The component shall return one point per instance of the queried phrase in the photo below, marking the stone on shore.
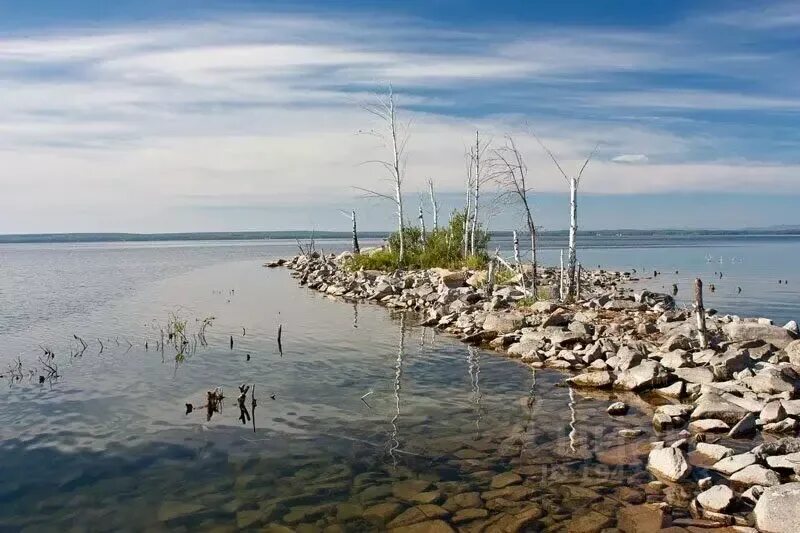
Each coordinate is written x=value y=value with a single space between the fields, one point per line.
x=669 y=464
x=592 y=379
x=502 y=323
x=745 y=331
x=716 y=452
x=714 y=406
x=646 y=375
x=756 y=475
x=734 y=463
x=778 y=509
x=717 y=498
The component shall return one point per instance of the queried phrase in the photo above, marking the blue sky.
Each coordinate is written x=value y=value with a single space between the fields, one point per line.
x=180 y=116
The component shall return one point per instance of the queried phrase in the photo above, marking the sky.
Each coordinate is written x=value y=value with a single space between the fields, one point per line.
x=167 y=115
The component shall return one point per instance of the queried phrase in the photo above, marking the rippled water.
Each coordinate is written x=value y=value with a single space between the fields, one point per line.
x=108 y=445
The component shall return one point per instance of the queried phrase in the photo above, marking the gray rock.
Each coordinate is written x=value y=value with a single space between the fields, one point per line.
x=617 y=408
x=778 y=509
x=770 y=381
x=646 y=375
x=716 y=452
x=792 y=407
x=725 y=365
x=628 y=358
x=502 y=323
x=676 y=390
x=787 y=426
x=743 y=331
x=783 y=446
x=675 y=359
x=734 y=463
x=785 y=462
x=793 y=352
x=592 y=379
x=792 y=326
x=675 y=410
x=695 y=375
x=756 y=475
x=717 y=498
x=753 y=494
x=714 y=406
x=772 y=412
x=745 y=426
x=669 y=464
x=709 y=425
x=624 y=305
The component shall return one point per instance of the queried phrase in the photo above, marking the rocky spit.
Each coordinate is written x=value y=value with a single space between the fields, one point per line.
x=732 y=408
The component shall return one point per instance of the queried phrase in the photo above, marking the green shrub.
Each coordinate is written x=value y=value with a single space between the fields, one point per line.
x=442 y=248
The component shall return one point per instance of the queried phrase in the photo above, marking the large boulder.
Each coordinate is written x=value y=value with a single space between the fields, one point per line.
x=714 y=406
x=778 y=509
x=592 y=379
x=793 y=351
x=502 y=323
x=756 y=475
x=771 y=381
x=745 y=331
x=452 y=279
x=716 y=499
x=668 y=463
x=646 y=375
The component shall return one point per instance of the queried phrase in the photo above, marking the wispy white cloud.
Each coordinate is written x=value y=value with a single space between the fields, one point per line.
x=266 y=108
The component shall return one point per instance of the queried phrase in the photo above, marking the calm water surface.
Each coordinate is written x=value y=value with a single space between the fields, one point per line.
x=108 y=445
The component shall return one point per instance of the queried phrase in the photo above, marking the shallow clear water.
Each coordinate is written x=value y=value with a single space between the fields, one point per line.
x=109 y=446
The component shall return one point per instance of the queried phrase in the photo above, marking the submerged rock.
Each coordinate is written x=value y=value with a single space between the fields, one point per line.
x=669 y=464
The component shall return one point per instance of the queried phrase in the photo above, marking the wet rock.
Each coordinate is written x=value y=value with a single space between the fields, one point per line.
x=469 y=514
x=463 y=501
x=714 y=406
x=772 y=412
x=382 y=512
x=407 y=489
x=419 y=513
x=591 y=522
x=745 y=426
x=171 y=510
x=347 y=511
x=756 y=475
x=717 y=498
x=617 y=408
x=645 y=518
x=631 y=495
x=430 y=526
x=715 y=452
x=502 y=323
x=505 y=479
x=646 y=375
x=743 y=331
x=512 y=523
x=669 y=464
x=778 y=509
x=599 y=379
x=700 y=375
x=709 y=425
x=789 y=462
x=734 y=463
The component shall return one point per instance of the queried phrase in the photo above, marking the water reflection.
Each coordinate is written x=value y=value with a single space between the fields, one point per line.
x=394 y=443
x=474 y=370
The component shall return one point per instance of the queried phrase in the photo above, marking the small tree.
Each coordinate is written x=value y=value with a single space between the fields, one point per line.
x=511 y=174
x=394 y=137
x=574 y=182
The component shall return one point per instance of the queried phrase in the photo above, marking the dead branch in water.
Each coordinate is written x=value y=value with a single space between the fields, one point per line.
x=101 y=346
x=83 y=344
x=280 y=344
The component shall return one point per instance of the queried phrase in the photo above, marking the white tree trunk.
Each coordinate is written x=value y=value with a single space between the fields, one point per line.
x=573 y=234
x=356 y=247
x=434 y=206
x=398 y=177
x=561 y=278
x=467 y=215
x=477 y=191
x=422 y=226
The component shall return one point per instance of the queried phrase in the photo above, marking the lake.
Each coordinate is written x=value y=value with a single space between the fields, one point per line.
x=359 y=415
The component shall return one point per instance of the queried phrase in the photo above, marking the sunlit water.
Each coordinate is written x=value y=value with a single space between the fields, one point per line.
x=362 y=397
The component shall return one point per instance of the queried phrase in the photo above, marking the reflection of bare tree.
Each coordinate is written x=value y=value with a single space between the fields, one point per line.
x=355 y=314
x=394 y=443
x=573 y=431
x=474 y=369
x=531 y=411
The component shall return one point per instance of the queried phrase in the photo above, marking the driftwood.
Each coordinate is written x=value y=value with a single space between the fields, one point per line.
x=700 y=312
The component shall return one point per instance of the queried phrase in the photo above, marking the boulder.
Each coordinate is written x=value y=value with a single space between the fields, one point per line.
x=453 y=279
x=789 y=462
x=717 y=498
x=745 y=426
x=714 y=406
x=592 y=379
x=675 y=359
x=744 y=331
x=646 y=375
x=734 y=463
x=628 y=358
x=793 y=351
x=700 y=375
x=502 y=323
x=669 y=464
x=778 y=509
x=716 y=452
x=617 y=408
x=756 y=475
x=770 y=381
x=772 y=412
x=724 y=365
x=624 y=305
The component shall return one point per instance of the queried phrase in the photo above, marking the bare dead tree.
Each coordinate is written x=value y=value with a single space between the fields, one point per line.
x=480 y=175
x=510 y=172
x=352 y=217
x=394 y=138
x=423 y=235
x=434 y=205
x=468 y=207
x=574 y=182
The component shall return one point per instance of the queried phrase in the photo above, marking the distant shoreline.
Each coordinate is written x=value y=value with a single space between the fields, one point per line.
x=306 y=235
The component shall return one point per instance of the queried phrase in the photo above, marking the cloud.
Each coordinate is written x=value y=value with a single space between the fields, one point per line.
x=630 y=158
x=264 y=111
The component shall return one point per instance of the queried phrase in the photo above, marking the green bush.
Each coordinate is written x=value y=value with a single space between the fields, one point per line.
x=442 y=248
